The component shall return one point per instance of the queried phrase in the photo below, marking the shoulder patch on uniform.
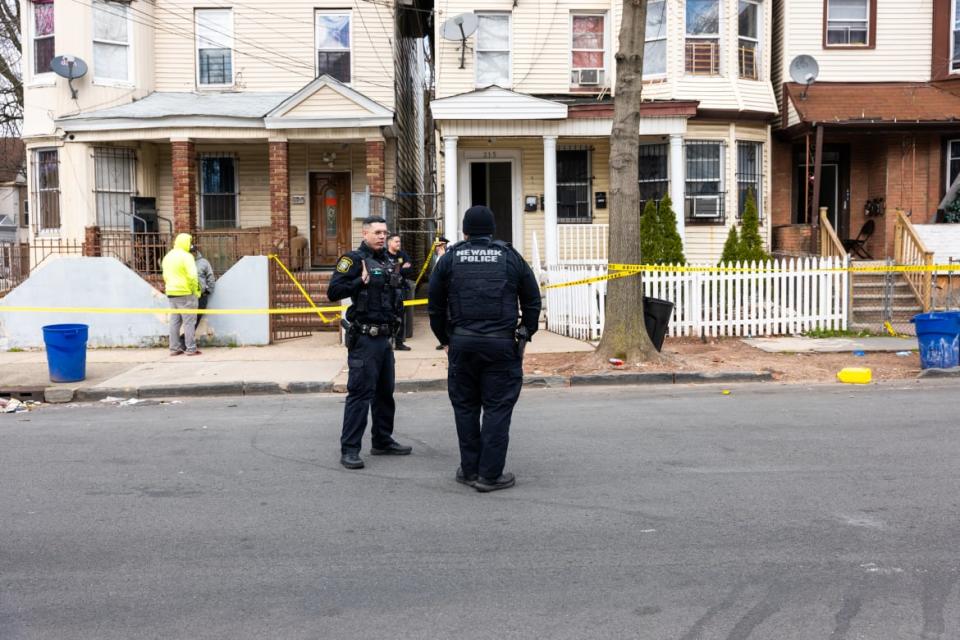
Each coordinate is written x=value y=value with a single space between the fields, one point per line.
x=344 y=265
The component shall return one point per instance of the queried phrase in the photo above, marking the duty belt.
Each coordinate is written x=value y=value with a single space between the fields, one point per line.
x=374 y=330
x=506 y=333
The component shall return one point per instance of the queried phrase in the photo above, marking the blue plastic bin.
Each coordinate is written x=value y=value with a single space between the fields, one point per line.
x=938 y=335
x=66 y=351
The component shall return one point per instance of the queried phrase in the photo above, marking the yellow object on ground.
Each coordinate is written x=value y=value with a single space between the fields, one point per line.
x=855 y=375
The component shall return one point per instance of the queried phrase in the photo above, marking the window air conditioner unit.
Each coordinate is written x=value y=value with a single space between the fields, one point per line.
x=706 y=207
x=590 y=77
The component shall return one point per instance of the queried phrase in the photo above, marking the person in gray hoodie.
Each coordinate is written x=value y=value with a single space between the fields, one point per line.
x=207 y=282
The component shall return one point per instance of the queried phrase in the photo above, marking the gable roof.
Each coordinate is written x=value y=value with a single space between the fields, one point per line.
x=496 y=103
x=327 y=102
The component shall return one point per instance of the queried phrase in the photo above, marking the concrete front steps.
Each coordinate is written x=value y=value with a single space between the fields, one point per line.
x=286 y=294
x=870 y=300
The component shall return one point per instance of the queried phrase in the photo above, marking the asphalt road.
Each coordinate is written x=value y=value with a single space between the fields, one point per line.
x=662 y=513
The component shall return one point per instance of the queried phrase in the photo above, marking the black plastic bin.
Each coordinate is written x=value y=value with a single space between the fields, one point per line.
x=656 y=317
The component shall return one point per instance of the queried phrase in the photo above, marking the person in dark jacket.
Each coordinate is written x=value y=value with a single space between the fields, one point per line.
x=484 y=305
x=365 y=276
x=403 y=265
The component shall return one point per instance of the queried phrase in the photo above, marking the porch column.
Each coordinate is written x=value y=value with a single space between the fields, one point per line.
x=677 y=181
x=450 y=216
x=280 y=197
x=375 y=167
x=551 y=249
x=184 y=160
x=91 y=241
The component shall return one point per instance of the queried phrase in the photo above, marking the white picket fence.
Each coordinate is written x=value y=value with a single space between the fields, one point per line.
x=582 y=243
x=783 y=297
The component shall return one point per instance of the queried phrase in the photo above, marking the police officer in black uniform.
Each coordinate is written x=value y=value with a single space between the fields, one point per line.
x=484 y=306
x=366 y=278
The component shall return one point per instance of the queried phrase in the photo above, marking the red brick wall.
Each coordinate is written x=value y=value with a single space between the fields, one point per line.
x=184 y=160
x=782 y=184
x=375 y=166
x=794 y=239
x=91 y=241
x=280 y=198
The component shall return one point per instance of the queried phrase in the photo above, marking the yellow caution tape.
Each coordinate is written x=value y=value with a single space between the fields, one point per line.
x=896 y=268
x=299 y=286
x=426 y=262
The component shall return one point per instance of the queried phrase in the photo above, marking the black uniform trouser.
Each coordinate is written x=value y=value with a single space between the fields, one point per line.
x=369 y=390
x=483 y=374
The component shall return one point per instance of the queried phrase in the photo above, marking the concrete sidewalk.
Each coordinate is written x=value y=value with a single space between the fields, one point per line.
x=802 y=344
x=317 y=361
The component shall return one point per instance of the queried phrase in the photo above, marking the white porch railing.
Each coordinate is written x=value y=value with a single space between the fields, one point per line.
x=781 y=298
x=582 y=243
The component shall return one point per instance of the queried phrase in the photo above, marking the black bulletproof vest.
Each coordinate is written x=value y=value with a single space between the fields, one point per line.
x=482 y=296
x=376 y=303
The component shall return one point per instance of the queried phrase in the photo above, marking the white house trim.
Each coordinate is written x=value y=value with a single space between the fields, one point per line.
x=465 y=158
x=370 y=113
x=496 y=103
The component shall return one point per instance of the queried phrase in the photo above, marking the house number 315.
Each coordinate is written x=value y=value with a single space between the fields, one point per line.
x=489 y=154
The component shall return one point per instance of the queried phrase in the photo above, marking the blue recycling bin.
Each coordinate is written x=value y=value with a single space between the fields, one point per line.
x=938 y=335
x=66 y=351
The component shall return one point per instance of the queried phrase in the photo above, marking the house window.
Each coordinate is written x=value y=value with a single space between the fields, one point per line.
x=703 y=37
x=654 y=179
x=218 y=191
x=214 y=47
x=749 y=176
x=749 y=43
x=44 y=45
x=655 y=39
x=953 y=161
x=333 y=45
x=573 y=185
x=115 y=178
x=46 y=187
x=848 y=22
x=588 y=50
x=111 y=41
x=955 y=38
x=493 y=49
x=704 y=181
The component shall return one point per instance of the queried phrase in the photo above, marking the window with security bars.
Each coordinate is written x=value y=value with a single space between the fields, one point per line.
x=115 y=182
x=44 y=41
x=46 y=187
x=218 y=191
x=953 y=161
x=704 y=181
x=703 y=37
x=333 y=44
x=654 y=180
x=749 y=176
x=573 y=185
x=848 y=22
x=214 y=28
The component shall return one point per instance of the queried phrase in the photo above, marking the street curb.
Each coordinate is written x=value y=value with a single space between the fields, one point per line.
x=952 y=372
x=93 y=394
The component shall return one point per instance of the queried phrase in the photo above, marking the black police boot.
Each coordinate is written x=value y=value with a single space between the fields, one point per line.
x=392 y=449
x=505 y=481
x=401 y=347
x=351 y=461
x=468 y=480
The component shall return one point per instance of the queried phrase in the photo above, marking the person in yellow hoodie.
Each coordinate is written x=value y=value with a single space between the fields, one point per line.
x=183 y=290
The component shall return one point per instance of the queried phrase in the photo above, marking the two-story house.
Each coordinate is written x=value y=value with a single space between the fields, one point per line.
x=525 y=120
x=222 y=116
x=884 y=107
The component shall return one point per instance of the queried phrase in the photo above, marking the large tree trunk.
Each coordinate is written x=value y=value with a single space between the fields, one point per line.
x=624 y=333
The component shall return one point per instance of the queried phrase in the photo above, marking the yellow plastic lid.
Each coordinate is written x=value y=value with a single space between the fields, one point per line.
x=855 y=375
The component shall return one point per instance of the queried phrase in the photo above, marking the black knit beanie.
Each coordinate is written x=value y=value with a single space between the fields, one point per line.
x=478 y=221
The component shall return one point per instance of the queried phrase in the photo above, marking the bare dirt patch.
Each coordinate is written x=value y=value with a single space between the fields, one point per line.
x=730 y=354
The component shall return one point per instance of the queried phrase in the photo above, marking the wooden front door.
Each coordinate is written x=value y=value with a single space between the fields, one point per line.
x=329 y=216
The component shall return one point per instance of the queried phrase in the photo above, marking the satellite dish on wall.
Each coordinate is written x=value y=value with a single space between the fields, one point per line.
x=69 y=67
x=804 y=70
x=460 y=28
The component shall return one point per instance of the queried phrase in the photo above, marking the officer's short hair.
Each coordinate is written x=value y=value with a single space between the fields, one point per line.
x=369 y=220
x=391 y=236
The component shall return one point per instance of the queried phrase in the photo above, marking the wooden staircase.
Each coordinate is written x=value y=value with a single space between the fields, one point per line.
x=871 y=298
x=286 y=294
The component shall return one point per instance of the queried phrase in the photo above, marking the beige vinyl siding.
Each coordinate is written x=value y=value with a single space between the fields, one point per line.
x=903 y=50
x=540 y=54
x=274 y=46
x=327 y=102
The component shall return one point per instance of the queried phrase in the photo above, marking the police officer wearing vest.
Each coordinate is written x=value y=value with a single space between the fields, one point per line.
x=484 y=306
x=366 y=278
